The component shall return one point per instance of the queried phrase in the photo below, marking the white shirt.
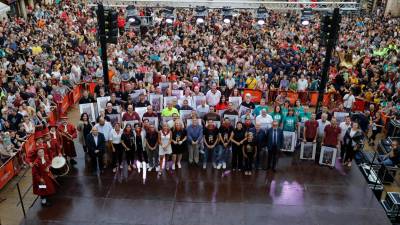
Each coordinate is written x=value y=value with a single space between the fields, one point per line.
x=302 y=84
x=96 y=138
x=105 y=129
x=343 y=128
x=321 y=127
x=213 y=98
x=115 y=137
x=348 y=101
x=265 y=121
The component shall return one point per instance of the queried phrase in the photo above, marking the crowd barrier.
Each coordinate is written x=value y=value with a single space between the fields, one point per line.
x=12 y=166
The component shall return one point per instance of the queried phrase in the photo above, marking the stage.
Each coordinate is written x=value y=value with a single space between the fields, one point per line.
x=300 y=192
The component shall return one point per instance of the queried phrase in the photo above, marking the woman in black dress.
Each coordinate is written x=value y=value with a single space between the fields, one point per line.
x=249 y=153
x=353 y=139
x=129 y=145
x=238 y=137
x=84 y=127
x=178 y=143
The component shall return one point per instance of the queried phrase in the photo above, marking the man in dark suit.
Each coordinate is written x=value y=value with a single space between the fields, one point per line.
x=274 y=144
x=96 y=144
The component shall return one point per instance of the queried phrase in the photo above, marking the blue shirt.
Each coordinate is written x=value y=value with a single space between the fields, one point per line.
x=194 y=133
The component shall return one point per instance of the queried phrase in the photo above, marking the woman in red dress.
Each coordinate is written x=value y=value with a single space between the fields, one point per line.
x=43 y=181
x=55 y=142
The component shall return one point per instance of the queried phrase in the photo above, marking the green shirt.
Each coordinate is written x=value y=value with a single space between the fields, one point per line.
x=257 y=110
x=289 y=123
x=298 y=110
x=277 y=117
x=303 y=117
x=168 y=112
x=284 y=111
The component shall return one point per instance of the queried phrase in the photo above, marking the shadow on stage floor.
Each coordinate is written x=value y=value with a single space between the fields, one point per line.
x=300 y=192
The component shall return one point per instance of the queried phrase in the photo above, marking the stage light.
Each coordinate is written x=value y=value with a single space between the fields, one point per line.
x=132 y=16
x=306 y=16
x=201 y=13
x=227 y=14
x=262 y=15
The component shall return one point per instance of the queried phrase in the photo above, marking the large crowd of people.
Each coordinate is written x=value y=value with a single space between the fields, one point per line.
x=56 y=48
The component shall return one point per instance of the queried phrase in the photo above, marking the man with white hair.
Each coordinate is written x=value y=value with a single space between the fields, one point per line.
x=264 y=119
x=247 y=102
x=213 y=95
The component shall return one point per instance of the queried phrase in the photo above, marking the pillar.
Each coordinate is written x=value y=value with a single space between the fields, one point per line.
x=22 y=9
x=392 y=7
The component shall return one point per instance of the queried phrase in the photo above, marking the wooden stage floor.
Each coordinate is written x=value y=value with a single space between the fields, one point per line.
x=299 y=193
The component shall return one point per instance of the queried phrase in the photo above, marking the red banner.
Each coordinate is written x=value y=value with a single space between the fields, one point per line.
x=91 y=87
x=52 y=117
x=29 y=146
x=6 y=173
x=64 y=104
x=76 y=94
x=256 y=95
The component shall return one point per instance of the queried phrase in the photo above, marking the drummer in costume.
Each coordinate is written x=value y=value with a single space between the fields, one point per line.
x=68 y=133
x=55 y=142
x=39 y=144
x=43 y=181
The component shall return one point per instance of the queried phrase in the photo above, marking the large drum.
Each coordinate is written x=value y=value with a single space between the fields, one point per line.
x=59 y=166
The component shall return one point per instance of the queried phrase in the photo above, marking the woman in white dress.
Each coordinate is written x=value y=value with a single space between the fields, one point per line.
x=165 y=149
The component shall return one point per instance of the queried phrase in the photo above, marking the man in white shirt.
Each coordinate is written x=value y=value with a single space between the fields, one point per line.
x=321 y=125
x=302 y=84
x=264 y=119
x=105 y=128
x=213 y=96
x=344 y=126
x=348 y=101
x=202 y=109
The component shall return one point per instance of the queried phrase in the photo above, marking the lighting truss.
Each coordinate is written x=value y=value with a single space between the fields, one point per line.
x=235 y=4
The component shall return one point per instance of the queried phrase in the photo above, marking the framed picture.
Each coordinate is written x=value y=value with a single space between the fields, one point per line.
x=243 y=110
x=185 y=114
x=221 y=112
x=131 y=122
x=118 y=108
x=328 y=156
x=156 y=101
x=114 y=118
x=177 y=93
x=152 y=120
x=135 y=95
x=101 y=103
x=236 y=101
x=217 y=123
x=168 y=99
x=308 y=150
x=141 y=111
x=89 y=109
x=340 y=116
x=165 y=119
x=197 y=99
x=190 y=121
x=233 y=118
x=289 y=141
x=164 y=86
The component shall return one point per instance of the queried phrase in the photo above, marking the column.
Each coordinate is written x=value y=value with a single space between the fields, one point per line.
x=393 y=7
x=22 y=9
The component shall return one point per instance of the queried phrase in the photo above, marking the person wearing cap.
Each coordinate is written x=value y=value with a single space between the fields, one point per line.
x=43 y=183
x=68 y=133
x=55 y=142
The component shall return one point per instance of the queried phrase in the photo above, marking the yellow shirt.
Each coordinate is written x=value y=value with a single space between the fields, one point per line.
x=36 y=50
x=251 y=82
x=168 y=112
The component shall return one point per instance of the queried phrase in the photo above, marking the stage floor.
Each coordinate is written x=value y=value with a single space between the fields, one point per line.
x=299 y=193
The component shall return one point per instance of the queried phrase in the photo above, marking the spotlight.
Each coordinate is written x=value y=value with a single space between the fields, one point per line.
x=132 y=16
x=227 y=14
x=306 y=16
x=169 y=15
x=262 y=15
x=201 y=13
